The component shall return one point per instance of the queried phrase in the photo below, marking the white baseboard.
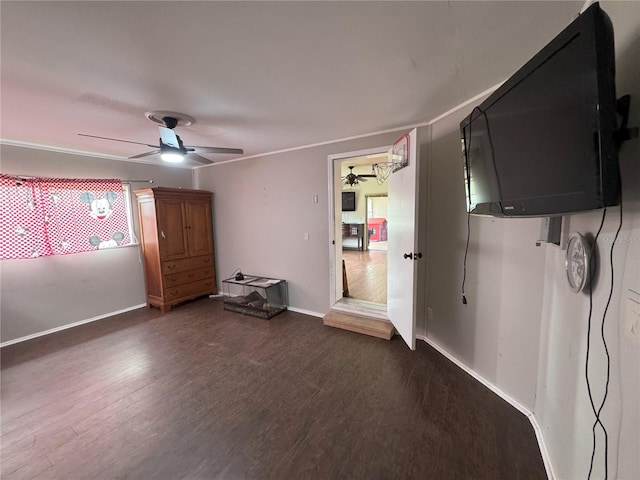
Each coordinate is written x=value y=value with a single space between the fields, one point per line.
x=506 y=397
x=306 y=312
x=70 y=325
x=293 y=309
x=100 y=317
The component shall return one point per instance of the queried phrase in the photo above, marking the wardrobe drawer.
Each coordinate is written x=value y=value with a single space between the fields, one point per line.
x=207 y=285
x=175 y=266
x=174 y=279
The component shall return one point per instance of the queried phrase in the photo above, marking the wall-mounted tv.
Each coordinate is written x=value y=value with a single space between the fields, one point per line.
x=348 y=201
x=543 y=143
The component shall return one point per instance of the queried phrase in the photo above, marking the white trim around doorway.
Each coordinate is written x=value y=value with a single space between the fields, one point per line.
x=334 y=242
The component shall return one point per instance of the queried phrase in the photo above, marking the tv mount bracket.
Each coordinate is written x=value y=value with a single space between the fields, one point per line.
x=624 y=133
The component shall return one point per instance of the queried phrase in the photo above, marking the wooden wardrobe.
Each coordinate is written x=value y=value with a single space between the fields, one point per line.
x=177 y=245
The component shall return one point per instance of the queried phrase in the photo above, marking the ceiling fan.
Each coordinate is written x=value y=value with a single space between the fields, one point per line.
x=352 y=179
x=171 y=148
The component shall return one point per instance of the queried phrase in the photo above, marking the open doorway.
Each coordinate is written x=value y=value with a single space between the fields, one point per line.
x=361 y=286
x=399 y=170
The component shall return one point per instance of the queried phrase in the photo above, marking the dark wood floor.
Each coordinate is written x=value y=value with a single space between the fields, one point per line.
x=203 y=393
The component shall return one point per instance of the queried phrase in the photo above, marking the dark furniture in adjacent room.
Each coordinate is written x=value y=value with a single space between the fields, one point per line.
x=353 y=230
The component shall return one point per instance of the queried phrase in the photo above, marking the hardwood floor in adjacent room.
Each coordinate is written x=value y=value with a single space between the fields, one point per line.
x=367 y=275
x=203 y=393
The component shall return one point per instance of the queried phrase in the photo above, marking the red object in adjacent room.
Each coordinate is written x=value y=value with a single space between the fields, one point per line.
x=378 y=229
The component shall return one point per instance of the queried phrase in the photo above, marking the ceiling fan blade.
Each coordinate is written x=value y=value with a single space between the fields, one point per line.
x=117 y=140
x=155 y=152
x=367 y=175
x=199 y=159
x=236 y=151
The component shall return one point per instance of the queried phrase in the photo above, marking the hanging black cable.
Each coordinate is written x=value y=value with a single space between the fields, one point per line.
x=606 y=349
x=598 y=412
x=586 y=368
x=466 y=252
x=467 y=149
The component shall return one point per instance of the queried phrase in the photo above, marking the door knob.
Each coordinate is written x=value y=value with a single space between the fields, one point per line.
x=408 y=255
x=417 y=255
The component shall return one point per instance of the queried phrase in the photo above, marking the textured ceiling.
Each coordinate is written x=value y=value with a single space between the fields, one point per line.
x=263 y=76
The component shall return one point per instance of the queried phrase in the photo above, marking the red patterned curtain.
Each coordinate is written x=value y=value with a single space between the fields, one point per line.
x=53 y=216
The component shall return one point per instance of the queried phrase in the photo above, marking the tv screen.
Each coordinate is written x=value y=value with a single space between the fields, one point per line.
x=348 y=201
x=543 y=143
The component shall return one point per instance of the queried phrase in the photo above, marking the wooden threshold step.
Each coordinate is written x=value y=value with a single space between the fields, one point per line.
x=359 y=324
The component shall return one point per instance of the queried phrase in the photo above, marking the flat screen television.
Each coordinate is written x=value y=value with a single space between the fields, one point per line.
x=543 y=143
x=348 y=201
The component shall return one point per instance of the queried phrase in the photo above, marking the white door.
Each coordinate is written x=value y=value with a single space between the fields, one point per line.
x=402 y=238
x=337 y=229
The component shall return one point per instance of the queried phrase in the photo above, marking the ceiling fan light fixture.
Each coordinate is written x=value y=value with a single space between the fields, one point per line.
x=171 y=154
x=172 y=157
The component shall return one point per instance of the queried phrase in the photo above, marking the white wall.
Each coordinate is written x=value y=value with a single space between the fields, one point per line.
x=262 y=209
x=562 y=406
x=523 y=329
x=496 y=333
x=46 y=293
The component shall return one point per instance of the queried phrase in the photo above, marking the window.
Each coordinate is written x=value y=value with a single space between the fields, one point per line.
x=57 y=216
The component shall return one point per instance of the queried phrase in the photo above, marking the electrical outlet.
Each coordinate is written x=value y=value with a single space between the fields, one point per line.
x=632 y=320
x=306 y=236
x=429 y=314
